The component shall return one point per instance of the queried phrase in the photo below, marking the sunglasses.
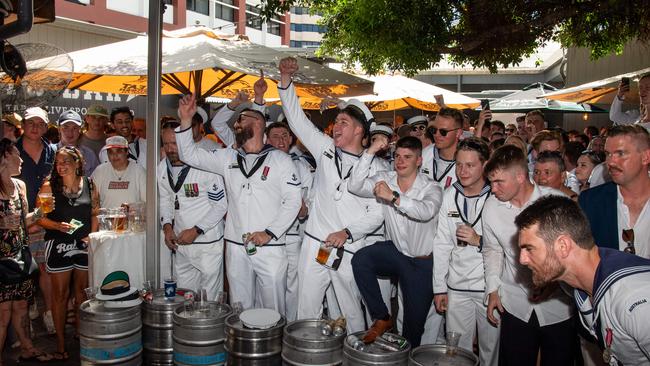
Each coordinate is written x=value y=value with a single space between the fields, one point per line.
x=443 y=132
x=510 y=130
x=244 y=115
x=628 y=237
x=593 y=154
x=418 y=128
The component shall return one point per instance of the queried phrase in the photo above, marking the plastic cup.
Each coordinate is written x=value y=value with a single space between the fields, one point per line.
x=170 y=288
x=46 y=201
x=460 y=243
x=452 y=342
x=90 y=292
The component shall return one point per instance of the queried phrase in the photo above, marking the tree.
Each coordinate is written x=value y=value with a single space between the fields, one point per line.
x=412 y=35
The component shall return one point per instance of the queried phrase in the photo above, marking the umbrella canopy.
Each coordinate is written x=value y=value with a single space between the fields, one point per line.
x=398 y=92
x=198 y=60
x=530 y=98
x=600 y=91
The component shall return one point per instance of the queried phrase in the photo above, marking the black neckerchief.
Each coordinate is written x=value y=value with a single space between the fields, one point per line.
x=137 y=150
x=460 y=212
x=435 y=167
x=258 y=163
x=181 y=177
x=339 y=165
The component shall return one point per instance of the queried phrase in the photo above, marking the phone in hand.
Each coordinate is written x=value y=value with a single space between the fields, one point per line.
x=485 y=105
x=625 y=82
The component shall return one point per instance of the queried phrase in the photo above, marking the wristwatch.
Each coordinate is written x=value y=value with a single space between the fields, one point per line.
x=395 y=197
x=199 y=230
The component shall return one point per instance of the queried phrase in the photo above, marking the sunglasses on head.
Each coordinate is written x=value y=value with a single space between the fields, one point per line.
x=511 y=129
x=443 y=132
x=593 y=154
x=418 y=128
x=628 y=237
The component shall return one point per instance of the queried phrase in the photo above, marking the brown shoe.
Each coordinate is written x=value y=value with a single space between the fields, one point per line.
x=378 y=328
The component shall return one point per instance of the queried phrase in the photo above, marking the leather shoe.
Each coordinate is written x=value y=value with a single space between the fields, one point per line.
x=378 y=328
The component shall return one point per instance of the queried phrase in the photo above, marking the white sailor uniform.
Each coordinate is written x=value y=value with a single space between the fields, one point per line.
x=263 y=195
x=191 y=197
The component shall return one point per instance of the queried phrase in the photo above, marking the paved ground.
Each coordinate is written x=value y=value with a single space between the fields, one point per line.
x=46 y=343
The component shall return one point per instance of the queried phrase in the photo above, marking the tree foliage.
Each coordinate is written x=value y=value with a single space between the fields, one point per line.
x=412 y=35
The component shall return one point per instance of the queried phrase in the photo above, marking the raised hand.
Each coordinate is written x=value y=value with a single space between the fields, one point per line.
x=260 y=88
x=379 y=143
x=186 y=110
x=288 y=66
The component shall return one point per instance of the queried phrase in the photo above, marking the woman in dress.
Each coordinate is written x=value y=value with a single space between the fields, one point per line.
x=15 y=297
x=66 y=235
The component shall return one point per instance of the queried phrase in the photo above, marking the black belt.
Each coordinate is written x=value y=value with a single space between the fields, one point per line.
x=265 y=245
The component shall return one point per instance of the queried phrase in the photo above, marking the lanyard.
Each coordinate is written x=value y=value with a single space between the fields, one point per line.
x=463 y=213
x=339 y=166
x=435 y=167
x=176 y=187
x=258 y=163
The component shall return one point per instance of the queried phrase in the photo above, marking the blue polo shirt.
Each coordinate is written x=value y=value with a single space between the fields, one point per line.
x=33 y=172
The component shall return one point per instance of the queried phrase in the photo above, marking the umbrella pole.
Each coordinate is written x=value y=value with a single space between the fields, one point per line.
x=152 y=246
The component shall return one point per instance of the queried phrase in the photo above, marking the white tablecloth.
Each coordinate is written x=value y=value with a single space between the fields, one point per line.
x=110 y=252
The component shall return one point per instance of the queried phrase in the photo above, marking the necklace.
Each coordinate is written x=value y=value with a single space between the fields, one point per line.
x=119 y=176
x=72 y=194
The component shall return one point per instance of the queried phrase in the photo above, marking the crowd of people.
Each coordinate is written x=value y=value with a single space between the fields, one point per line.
x=465 y=226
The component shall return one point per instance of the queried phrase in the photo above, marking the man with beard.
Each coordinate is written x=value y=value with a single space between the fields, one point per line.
x=338 y=219
x=263 y=201
x=533 y=320
x=122 y=120
x=557 y=245
x=619 y=211
x=192 y=207
x=458 y=276
x=279 y=136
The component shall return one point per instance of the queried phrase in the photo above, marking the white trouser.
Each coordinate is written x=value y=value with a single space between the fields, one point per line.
x=258 y=280
x=293 y=253
x=200 y=266
x=165 y=262
x=465 y=313
x=434 y=327
x=313 y=280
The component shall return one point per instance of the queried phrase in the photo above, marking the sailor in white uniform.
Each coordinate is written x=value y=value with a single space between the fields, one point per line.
x=192 y=207
x=458 y=278
x=263 y=201
x=338 y=219
x=611 y=287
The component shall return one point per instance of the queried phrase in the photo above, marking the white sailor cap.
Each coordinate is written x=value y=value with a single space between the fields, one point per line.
x=204 y=115
x=385 y=130
x=417 y=120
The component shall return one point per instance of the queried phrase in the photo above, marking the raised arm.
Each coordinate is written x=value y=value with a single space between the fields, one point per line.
x=315 y=140
x=188 y=152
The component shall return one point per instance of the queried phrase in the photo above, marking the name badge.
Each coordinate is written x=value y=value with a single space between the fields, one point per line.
x=453 y=214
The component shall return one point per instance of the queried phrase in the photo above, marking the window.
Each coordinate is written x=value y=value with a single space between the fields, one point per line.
x=168 y=2
x=303 y=44
x=253 y=19
x=297 y=27
x=273 y=28
x=199 y=6
x=224 y=12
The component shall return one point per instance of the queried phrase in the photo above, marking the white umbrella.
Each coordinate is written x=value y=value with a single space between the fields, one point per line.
x=198 y=59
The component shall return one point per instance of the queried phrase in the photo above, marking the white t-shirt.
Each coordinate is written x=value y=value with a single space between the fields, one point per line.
x=117 y=187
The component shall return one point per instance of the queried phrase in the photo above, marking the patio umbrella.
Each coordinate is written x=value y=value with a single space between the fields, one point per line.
x=531 y=98
x=198 y=60
x=399 y=92
x=599 y=91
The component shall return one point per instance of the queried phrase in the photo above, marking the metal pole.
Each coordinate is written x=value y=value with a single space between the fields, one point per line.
x=152 y=250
